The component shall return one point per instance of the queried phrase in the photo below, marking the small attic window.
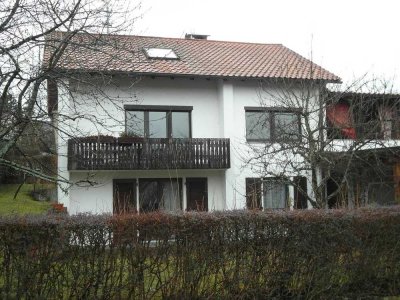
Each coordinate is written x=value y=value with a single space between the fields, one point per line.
x=162 y=53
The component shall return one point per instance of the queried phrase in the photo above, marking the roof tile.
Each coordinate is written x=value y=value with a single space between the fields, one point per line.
x=122 y=53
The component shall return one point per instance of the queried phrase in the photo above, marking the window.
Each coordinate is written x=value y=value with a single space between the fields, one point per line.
x=286 y=126
x=253 y=193
x=266 y=193
x=180 y=124
x=124 y=201
x=134 y=121
x=158 y=124
x=258 y=125
x=158 y=121
x=160 y=194
x=161 y=53
x=154 y=194
x=300 y=192
x=275 y=193
x=196 y=194
x=272 y=124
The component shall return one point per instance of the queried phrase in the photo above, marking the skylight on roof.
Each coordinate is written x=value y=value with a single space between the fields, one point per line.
x=163 y=53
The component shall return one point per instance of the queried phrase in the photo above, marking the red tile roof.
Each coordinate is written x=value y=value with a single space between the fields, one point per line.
x=122 y=53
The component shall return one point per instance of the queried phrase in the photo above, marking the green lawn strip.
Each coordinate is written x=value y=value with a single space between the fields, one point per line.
x=23 y=204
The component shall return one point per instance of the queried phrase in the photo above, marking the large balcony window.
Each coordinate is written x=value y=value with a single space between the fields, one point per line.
x=155 y=121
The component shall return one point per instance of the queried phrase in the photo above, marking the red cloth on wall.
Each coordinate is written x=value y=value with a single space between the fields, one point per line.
x=339 y=115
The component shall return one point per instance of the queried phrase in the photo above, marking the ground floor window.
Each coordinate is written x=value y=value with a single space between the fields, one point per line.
x=253 y=193
x=154 y=194
x=300 y=192
x=160 y=194
x=124 y=196
x=273 y=193
x=196 y=194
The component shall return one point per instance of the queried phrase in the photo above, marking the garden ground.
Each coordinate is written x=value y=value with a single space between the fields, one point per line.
x=24 y=203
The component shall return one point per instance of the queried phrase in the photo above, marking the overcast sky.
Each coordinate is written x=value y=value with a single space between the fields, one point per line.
x=348 y=37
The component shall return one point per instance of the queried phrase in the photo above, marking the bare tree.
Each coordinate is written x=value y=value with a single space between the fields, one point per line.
x=327 y=137
x=27 y=27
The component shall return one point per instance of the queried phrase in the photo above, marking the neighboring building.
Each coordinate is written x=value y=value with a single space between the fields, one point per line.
x=370 y=123
x=170 y=125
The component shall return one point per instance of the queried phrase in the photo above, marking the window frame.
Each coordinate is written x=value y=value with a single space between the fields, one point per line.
x=148 y=55
x=264 y=182
x=272 y=111
x=159 y=108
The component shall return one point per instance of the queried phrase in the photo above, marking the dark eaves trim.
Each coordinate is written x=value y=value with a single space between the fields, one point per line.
x=191 y=76
x=135 y=107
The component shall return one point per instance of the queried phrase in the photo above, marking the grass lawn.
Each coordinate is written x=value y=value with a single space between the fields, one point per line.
x=23 y=204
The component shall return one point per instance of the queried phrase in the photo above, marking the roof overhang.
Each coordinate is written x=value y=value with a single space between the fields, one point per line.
x=64 y=72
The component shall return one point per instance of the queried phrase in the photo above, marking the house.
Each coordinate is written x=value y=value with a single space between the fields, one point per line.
x=149 y=123
x=369 y=123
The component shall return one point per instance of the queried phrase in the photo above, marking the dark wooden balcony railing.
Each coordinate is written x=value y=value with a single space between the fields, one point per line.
x=129 y=153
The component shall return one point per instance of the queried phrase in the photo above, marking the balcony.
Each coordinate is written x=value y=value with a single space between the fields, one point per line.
x=131 y=153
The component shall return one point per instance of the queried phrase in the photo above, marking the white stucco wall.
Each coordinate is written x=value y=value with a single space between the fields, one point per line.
x=253 y=94
x=218 y=112
x=107 y=116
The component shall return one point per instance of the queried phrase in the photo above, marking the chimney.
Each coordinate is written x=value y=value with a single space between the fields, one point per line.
x=193 y=36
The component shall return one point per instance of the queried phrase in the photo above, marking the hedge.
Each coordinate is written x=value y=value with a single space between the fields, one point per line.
x=236 y=254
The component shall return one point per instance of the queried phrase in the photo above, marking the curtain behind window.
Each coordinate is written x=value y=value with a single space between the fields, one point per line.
x=275 y=194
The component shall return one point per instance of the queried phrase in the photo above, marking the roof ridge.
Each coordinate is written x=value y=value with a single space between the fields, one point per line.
x=174 y=38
